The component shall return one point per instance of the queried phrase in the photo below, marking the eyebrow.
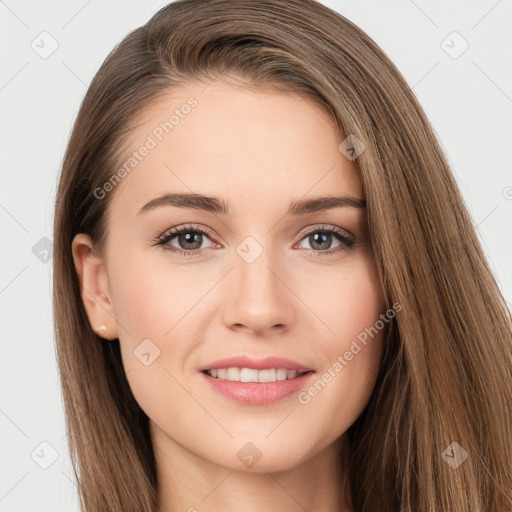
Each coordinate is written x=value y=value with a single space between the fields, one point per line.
x=214 y=205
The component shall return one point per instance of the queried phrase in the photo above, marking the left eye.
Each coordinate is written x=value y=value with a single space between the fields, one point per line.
x=324 y=238
x=190 y=239
x=190 y=236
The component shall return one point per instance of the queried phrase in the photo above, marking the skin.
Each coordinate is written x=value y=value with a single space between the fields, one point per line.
x=257 y=150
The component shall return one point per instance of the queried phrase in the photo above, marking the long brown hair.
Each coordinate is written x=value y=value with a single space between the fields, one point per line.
x=446 y=374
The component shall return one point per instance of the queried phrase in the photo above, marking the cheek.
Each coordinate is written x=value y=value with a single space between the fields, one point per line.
x=151 y=297
x=349 y=300
x=158 y=310
x=352 y=307
x=151 y=304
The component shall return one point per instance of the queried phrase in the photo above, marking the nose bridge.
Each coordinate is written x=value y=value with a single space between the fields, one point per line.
x=260 y=299
x=255 y=265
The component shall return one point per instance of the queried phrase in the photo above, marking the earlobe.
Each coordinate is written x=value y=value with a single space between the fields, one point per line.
x=94 y=287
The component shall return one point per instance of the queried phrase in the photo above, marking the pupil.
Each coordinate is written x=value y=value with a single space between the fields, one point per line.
x=189 y=238
x=324 y=238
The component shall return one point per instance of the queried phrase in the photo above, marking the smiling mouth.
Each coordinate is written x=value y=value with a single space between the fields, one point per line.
x=235 y=374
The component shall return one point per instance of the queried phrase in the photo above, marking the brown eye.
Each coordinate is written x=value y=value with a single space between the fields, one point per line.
x=321 y=241
x=189 y=240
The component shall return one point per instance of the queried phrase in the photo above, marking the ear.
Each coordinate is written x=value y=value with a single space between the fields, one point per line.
x=94 y=287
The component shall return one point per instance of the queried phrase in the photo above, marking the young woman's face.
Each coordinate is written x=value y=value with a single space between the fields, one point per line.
x=272 y=286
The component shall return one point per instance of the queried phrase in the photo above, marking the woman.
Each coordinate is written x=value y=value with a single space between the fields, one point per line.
x=333 y=339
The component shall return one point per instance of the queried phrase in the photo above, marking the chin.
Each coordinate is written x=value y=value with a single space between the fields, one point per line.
x=258 y=457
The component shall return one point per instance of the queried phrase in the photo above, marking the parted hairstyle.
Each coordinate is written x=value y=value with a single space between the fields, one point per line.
x=446 y=372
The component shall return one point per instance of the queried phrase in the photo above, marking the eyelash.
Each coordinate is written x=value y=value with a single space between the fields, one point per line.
x=163 y=240
x=341 y=235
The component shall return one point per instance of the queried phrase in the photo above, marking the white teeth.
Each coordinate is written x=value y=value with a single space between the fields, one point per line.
x=248 y=375
x=267 y=376
x=251 y=375
x=233 y=374
x=281 y=374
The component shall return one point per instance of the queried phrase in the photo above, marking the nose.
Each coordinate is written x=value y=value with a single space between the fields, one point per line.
x=259 y=298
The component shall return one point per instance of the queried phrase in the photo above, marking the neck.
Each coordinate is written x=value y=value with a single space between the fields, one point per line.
x=188 y=482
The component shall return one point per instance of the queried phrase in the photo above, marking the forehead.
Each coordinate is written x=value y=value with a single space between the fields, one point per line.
x=246 y=146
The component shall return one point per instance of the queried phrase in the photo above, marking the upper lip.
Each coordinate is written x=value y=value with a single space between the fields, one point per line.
x=257 y=364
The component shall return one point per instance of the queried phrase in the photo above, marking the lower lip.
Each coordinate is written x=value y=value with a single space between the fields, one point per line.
x=258 y=393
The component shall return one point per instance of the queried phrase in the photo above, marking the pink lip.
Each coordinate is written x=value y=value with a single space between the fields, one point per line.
x=257 y=393
x=256 y=364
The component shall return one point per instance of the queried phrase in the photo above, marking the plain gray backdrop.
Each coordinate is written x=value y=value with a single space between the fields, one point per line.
x=455 y=55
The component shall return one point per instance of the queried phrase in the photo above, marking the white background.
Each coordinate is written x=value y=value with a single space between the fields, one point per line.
x=468 y=100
